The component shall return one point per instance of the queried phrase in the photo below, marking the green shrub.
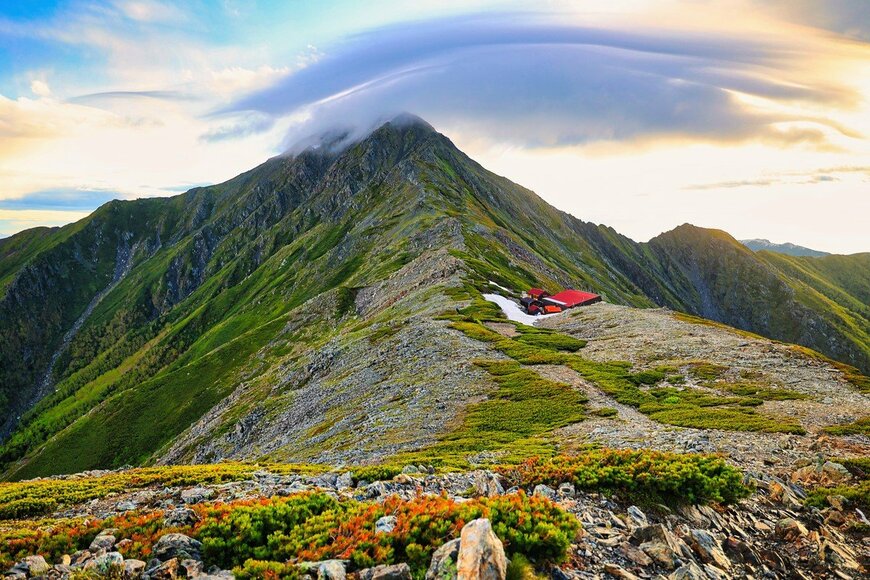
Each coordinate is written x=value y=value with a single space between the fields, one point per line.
x=552 y=341
x=605 y=412
x=858 y=427
x=639 y=475
x=376 y=472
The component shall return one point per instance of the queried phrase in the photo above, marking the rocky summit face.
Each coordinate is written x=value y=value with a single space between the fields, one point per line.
x=304 y=360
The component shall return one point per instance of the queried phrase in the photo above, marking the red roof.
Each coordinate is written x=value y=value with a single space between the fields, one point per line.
x=573 y=298
x=533 y=291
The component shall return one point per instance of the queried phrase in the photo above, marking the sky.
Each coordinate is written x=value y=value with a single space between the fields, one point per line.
x=751 y=116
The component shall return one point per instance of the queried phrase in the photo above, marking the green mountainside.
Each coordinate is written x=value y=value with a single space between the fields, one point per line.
x=295 y=307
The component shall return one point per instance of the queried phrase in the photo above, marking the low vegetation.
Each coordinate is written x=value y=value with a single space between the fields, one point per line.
x=856 y=494
x=253 y=536
x=680 y=406
x=858 y=427
x=638 y=475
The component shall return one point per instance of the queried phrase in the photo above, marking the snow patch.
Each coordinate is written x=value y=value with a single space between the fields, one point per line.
x=513 y=311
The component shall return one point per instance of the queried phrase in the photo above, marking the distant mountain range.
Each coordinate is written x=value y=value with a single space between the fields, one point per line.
x=787 y=248
x=292 y=312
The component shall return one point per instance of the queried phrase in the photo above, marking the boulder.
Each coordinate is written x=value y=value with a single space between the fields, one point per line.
x=833 y=472
x=191 y=567
x=196 y=495
x=133 y=568
x=481 y=553
x=164 y=571
x=344 y=481
x=109 y=561
x=659 y=544
x=29 y=566
x=789 y=529
x=443 y=565
x=103 y=541
x=566 y=489
x=394 y=572
x=487 y=484
x=708 y=548
x=331 y=570
x=690 y=571
x=177 y=546
x=179 y=517
x=619 y=572
x=545 y=491
x=386 y=524
x=637 y=517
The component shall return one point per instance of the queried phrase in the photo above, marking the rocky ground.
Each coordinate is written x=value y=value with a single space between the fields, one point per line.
x=770 y=535
x=653 y=337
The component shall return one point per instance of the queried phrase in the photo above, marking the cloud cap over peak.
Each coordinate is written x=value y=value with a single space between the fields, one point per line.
x=536 y=82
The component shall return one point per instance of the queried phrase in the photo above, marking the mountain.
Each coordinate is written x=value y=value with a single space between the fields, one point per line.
x=787 y=248
x=293 y=312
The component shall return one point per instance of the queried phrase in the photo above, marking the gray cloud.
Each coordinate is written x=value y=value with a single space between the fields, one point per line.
x=849 y=18
x=522 y=79
x=248 y=124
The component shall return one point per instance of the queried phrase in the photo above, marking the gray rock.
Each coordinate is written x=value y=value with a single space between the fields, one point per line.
x=443 y=565
x=196 y=495
x=545 y=491
x=179 y=517
x=29 y=566
x=177 y=546
x=566 y=489
x=789 y=529
x=344 y=481
x=481 y=553
x=394 y=572
x=331 y=570
x=105 y=563
x=102 y=542
x=386 y=524
x=133 y=567
x=126 y=506
x=637 y=516
x=487 y=484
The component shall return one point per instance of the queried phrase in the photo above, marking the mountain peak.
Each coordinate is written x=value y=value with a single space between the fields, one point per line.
x=338 y=138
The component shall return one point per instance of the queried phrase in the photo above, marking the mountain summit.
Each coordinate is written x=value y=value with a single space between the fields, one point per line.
x=294 y=311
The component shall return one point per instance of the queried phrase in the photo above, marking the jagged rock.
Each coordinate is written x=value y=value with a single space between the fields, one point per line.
x=443 y=565
x=179 y=517
x=689 y=571
x=790 y=529
x=708 y=549
x=105 y=563
x=839 y=556
x=481 y=553
x=834 y=472
x=164 y=571
x=28 y=567
x=545 y=491
x=126 y=506
x=838 y=502
x=659 y=544
x=637 y=516
x=741 y=551
x=196 y=495
x=635 y=555
x=344 y=481
x=177 y=546
x=133 y=567
x=191 y=567
x=782 y=494
x=410 y=470
x=386 y=524
x=619 y=572
x=394 y=572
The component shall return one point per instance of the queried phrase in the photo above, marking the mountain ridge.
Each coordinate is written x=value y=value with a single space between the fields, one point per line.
x=226 y=296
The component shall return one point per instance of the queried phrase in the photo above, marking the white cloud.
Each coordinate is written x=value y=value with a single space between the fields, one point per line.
x=40 y=88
